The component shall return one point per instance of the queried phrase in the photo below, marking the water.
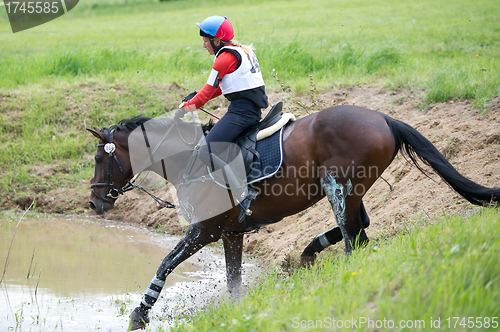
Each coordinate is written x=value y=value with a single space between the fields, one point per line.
x=86 y=275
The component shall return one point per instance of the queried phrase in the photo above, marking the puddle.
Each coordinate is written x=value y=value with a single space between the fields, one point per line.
x=86 y=275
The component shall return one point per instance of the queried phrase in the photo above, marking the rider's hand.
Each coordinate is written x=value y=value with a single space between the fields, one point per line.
x=190 y=96
x=179 y=114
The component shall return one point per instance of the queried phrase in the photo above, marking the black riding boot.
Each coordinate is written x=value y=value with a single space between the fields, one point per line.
x=245 y=204
x=242 y=194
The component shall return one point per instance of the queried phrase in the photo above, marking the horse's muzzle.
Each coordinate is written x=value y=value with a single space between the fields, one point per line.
x=99 y=206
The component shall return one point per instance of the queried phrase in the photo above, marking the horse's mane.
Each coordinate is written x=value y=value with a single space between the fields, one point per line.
x=130 y=124
x=136 y=121
x=207 y=127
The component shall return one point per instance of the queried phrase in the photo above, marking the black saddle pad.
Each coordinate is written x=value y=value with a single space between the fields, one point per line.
x=269 y=158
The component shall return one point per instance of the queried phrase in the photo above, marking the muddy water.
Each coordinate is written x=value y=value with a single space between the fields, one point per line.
x=82 y=275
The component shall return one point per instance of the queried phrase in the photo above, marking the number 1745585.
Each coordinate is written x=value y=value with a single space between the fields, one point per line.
x=31 y=7
x=472 y=322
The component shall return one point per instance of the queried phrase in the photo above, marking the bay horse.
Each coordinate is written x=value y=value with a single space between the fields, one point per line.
x=338 y=153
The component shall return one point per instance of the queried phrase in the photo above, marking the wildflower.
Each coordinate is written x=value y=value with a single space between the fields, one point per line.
x=354 y=273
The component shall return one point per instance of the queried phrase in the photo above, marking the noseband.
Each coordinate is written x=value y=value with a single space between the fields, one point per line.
x=114 y=191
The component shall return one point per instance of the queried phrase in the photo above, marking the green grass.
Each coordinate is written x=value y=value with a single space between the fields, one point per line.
x=423 y=45
x=447 y=270
x=47 y=127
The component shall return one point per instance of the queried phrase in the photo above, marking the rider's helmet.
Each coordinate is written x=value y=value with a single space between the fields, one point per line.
x=216 y=27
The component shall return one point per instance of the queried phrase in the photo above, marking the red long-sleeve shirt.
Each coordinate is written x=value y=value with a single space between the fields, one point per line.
x=224 y=64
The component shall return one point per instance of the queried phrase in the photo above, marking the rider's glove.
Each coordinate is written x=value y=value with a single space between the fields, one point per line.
x=190 y=96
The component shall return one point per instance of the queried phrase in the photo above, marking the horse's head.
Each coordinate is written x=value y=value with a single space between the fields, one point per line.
x=160 y=145
x=113 y=169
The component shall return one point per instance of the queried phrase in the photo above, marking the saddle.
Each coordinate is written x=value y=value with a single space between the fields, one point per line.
x=262 y=157
x=247 y=141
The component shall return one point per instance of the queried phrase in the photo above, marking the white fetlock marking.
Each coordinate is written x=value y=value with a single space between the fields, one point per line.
x=158 y=282
x=146 y=304
x=323 y=241
x=152 y=293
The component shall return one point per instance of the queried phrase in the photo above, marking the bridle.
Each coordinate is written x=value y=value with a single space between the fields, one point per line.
x=114 y=190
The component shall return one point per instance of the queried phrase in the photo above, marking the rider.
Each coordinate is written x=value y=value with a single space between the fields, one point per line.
x=235 y=74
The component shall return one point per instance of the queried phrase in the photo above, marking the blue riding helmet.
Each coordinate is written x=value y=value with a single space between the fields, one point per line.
x=216 y=27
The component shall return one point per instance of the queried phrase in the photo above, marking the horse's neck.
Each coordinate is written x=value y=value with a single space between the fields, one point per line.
x=166 y=151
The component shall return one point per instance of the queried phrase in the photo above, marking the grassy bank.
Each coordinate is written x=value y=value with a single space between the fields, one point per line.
x=446 y=49
x=111 y=59
x=438 y=272
x=47 y=127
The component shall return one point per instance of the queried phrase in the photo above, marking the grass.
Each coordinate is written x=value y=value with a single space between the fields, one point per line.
x=421 y=44
x=47 y=127
x=433 y=273
x=111 y=59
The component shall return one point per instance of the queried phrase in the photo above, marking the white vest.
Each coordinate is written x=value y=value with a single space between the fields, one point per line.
x=246 y=76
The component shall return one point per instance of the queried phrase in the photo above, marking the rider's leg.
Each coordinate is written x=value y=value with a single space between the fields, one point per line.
x=242 y=113
x=233 y=176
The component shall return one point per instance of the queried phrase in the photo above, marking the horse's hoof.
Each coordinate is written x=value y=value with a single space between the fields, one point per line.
x=307 y=261
x=138 y=319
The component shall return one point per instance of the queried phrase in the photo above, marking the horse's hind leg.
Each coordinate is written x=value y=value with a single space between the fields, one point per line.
x=329 y=238
x=319 y=243
x=348 y=219
x=365 y=220
x=336 y=194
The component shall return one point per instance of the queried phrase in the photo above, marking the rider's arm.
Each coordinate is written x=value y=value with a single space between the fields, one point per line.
x=224 y=64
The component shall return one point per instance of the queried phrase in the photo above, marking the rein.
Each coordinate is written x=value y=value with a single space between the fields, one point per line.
x=114 y=190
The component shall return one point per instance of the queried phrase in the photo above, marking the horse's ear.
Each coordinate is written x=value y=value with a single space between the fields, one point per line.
x=96 y=132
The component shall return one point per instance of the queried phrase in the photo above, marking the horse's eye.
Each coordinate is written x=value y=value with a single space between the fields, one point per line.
x=98 y=159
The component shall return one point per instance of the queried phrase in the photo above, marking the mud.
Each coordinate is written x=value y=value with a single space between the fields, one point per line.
x=80 y=274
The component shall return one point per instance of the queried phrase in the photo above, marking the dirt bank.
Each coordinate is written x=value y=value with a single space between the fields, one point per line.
x=470 y=140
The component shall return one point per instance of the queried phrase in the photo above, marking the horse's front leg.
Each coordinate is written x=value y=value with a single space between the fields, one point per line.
x=233 y=249
x=197 y=236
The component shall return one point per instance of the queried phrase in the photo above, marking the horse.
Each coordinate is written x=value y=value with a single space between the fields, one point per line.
x=338 y=152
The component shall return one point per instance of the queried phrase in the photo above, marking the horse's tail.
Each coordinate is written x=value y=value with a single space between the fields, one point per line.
x=413 y=144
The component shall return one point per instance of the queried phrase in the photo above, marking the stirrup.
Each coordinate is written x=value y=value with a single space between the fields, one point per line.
x=245 y=204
